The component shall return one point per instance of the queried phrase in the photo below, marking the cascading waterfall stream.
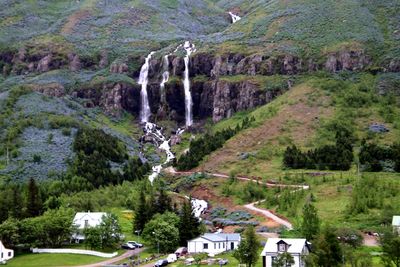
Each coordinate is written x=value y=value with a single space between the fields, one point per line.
x=144 y=80
x=156 y=132
x=165 y=78
x=186 y=84
x=234 y=17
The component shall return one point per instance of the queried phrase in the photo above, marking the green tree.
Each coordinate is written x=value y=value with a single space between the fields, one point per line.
x=93 y=237
x=163 y=202
x=17 y=208
x=110 y=231
x=189 y=226
x=310 y=223
x=9 y=232
x=247 y=251
x=57 y=226
x=327 y=248
x=140 y=217
x=350 y=237
x=390 y=243
x=283 y=260
x=162 y=232
x=34 y=201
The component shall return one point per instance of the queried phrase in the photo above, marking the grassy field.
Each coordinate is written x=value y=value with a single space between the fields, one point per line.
x=52 y=260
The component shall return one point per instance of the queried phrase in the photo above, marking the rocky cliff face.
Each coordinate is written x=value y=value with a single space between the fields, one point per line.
x=212 y=95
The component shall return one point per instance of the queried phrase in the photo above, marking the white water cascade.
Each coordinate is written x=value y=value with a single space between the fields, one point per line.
x=234 y=17
x=144 y=80
x=199 y=206
x=155 y=132
x=186 y=84
x=165 y=78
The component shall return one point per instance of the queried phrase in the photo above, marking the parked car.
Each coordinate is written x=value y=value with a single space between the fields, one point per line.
x=172 y=258
x=136 y=244
x=182 y=251
x=161 y=263
x=127 y=246
x=223 y=261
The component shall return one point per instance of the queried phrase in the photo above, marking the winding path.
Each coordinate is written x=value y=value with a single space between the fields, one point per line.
x=252 y=206
x=268 y=214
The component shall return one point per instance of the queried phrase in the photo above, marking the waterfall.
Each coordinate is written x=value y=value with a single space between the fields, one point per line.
x=234 y=17
x=165 y=78
x=144 y=80
x=157 y=135
x=186 y=84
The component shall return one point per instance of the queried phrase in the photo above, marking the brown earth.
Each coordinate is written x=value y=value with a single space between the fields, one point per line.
x=74 y=20
x=296 y=120
x=207 y=192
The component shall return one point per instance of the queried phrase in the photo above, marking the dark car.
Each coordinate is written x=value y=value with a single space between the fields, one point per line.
x=127 y=246
x=161 y=263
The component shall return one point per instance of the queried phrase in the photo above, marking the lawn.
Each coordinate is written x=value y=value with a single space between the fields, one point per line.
x=48 y=260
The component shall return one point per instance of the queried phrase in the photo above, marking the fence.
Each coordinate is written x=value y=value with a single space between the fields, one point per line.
x=74 y=251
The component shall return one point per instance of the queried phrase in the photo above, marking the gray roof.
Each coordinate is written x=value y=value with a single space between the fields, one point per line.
x=396 y=221
x=296 y=245
x=219 y=237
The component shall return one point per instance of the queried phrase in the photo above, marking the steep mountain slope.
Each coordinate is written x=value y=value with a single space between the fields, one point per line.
x=91 y=52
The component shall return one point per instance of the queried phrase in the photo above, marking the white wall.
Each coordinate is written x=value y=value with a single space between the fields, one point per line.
x=74 y=251
x=197 y=246
x=5 y=254
x=268 y=261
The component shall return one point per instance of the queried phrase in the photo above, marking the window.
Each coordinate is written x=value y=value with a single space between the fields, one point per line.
x=282 y=247
x=215 y=246
x=273 y=259
x=205 y=245
x=86 y=223
x=223 y=245
x=9 y=254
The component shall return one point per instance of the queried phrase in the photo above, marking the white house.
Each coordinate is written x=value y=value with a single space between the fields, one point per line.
x=297 y=247
x=396 y=224
x=5 y=254
x=84 y=220
x=214 y=243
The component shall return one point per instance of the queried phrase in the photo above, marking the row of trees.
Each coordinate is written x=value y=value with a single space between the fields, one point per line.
x=163 y=225
x=49 y=230
x=331 y=157
x=54 y=228
x=377 y=158
x=203 y=146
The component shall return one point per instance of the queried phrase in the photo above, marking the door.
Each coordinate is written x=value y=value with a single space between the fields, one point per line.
x=232 y=246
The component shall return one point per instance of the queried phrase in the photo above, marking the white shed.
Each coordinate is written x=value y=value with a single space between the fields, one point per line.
x=214 y=243
x=5 y=254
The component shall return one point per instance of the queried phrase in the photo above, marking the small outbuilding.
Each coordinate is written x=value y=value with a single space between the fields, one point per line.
x=5 y=254
x=296 y=247
x=214 y=243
